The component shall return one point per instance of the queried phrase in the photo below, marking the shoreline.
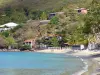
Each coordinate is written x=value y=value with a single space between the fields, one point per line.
x=84 y=68
x=92 y=58
x=91 y=62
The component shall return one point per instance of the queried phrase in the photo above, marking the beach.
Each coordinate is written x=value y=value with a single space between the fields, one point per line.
x=54 y=51
x=90 y=58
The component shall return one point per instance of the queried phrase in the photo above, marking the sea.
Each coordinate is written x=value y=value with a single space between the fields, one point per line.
x=32 y=63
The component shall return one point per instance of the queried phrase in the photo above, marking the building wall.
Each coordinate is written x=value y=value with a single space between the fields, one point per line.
x=31 y=43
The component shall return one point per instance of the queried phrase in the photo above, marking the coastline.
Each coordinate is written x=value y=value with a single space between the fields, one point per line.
x=84 y=69
x=91 y=59
x=54 y=50
x=91 y=62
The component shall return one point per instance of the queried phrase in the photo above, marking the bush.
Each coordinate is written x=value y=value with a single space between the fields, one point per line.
x=16 y=28
x=6 y=34
x=26 y=47
x=54 y=42
x=54 y=20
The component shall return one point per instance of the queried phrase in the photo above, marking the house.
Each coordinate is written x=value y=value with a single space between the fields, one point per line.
x=30 y=42
x=11 y=25
x=7 y=26
x=51 y=15
x=82 y=10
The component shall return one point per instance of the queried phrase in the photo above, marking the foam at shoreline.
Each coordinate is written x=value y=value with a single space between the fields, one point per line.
x=78 y=54
x=85 y=68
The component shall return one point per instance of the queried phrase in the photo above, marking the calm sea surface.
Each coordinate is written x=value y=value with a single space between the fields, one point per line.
x=28 y=63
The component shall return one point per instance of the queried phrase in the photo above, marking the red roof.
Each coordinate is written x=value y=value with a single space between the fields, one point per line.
x=84 y=11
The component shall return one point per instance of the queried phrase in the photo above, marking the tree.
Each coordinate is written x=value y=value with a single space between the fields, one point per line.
x=35 y=15
x=8 y=11
x=92 y=19
x=10 y=41
x=54 y=42
x=19 y=17
x=16 y=28
x=2 y=42
x=4 y=19
x=54 y=20
x=43 y=16
x=6 y=34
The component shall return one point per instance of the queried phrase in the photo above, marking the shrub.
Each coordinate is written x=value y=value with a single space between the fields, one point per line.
x=54 y=20
x=54 y=42
x=26 y=47
x=6 y=34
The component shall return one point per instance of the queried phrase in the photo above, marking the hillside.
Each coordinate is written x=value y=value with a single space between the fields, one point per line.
x=39 y=4
x=5 y=2
x=71 y=25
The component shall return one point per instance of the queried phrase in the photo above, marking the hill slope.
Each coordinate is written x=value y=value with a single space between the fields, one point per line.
x=38 y=4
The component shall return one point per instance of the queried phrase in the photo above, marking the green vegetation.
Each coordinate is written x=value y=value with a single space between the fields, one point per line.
x=6 y=41
x=54 y=42
x=10 y=42
x=54 y=20
x=20 y=11
x=43 y=16
x=73 y=27
x=26 y=47
x=39 y=4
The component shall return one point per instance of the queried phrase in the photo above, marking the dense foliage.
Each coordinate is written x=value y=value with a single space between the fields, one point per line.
x=74 y=28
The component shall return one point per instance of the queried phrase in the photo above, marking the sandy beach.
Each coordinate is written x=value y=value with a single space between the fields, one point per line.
x=93 y=63
x=72 y=52
x=54 y=50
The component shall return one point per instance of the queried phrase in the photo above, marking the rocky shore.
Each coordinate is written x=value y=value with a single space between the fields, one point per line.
x=15 y=50
x=9 y=50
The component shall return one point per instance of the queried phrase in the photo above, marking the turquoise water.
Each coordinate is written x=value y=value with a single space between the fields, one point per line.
x=29 y=63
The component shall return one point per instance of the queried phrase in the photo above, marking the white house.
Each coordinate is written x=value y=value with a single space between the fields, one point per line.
x=11 y=25
x=8 y=26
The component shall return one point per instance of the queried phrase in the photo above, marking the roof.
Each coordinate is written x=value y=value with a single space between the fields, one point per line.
x=2 y=26
x=29 y=40
x=52 y=13
x=10 y=24
x=81 y=9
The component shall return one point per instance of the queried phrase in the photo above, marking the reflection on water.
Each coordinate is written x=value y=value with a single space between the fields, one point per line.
x=24 y=63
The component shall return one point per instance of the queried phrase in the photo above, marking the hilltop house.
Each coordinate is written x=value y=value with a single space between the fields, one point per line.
x=30 y=42
x=7 y=26
x=51 y=15
x=82 y=10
